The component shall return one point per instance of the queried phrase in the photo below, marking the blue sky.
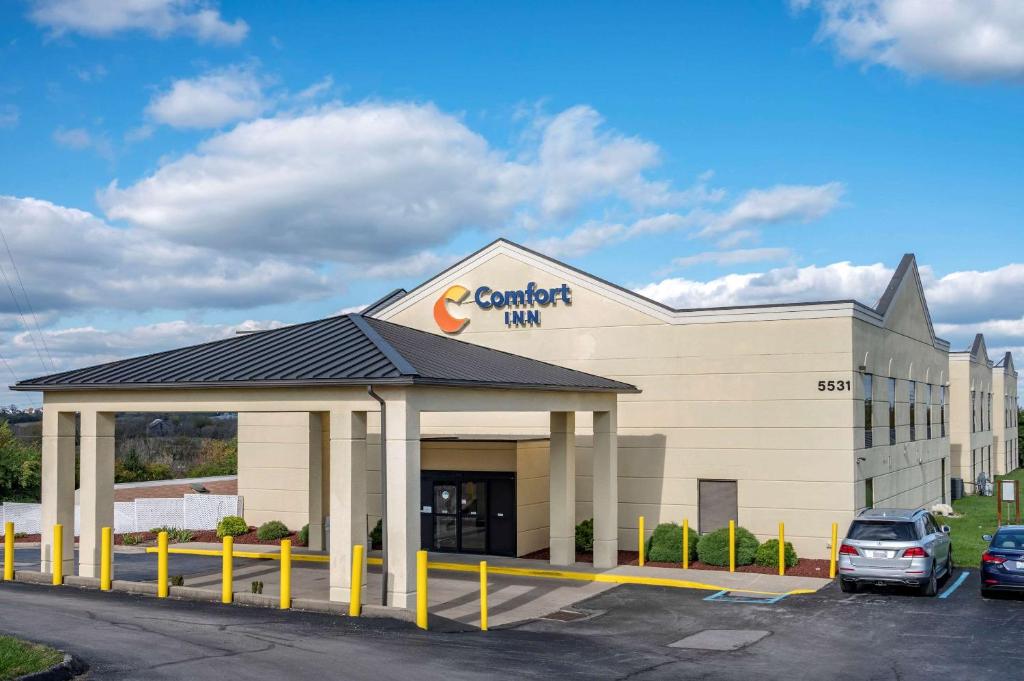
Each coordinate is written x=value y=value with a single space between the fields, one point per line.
x=177 y=170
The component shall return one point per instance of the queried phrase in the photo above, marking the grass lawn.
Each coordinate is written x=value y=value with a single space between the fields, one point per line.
x=18 y=658
x=979 y=517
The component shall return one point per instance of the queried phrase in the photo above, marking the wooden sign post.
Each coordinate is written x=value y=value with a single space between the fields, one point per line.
x=1008 y=492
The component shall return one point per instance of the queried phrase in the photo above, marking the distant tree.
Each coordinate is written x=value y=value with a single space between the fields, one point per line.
x=20 y=468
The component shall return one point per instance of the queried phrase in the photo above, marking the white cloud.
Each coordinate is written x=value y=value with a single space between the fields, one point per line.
x=415 y=265
x=159 y=18
x=781 y=203
x=735 y=257
x=211 y=100
x=838 y=281
x=361 y=180
x=975 y=296
x=961 y=39
x=81 y=139
x=9 y=115
x=318 y=88
x=72 y=261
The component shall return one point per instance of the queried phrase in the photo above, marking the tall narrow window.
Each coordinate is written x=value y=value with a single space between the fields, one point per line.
x=942 y=411
x=869 y=493
x=974 y=413
x=928 y=410
x=912 y=408
x=988 y=411
x=869 y=418
x=892 y=411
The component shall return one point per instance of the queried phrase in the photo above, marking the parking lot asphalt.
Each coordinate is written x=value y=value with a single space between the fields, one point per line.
x=630 y=632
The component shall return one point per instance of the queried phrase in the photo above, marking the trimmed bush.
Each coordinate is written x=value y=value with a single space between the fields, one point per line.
x=231 y=526
x=665 y=545
x=376 y=537
x=273 y=529
x=585 y=536
x=304 y=535
x=713 y=547
x=768 y=554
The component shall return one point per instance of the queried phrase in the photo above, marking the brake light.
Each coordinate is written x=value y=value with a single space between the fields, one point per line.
x=989 y=558
x=915 y=552
x=847 y=550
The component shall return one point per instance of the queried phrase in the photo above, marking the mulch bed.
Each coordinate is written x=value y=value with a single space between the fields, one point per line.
x=149 y=538
x=805 y=567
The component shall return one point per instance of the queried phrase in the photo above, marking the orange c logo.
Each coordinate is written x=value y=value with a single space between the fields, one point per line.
x=445 y=321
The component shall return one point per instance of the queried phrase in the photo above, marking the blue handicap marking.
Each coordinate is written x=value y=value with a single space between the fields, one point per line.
x=726 y=596
x=956 y=585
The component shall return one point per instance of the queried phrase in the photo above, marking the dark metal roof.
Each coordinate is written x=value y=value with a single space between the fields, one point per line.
x=345 y=350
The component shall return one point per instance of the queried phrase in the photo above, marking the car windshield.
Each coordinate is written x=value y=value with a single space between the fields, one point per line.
x=873 y=530
x=1008 y=539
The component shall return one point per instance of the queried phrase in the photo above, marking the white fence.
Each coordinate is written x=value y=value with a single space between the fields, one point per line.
x=191 y=512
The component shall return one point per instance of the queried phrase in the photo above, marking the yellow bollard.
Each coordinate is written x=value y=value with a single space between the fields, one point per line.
x=107 y=539
x=782 y=549
x=483 y=595
x=58 y=555
x=832 y=553
x=355 y=606
x=286 y=574
x=161 y=565
x=227 y=579
x=686 y=544
x=732 y=546
x=421 y=589
x=640 y=540
x=8 y=551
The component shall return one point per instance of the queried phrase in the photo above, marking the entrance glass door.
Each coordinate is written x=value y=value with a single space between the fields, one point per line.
x=446 y=519
x=473 y=528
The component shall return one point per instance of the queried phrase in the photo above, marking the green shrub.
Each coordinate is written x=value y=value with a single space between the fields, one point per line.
x=713 y=547
x=304 y=535
x=665 y=545
x=130 y=539
x=216 y=457
x=231 y=526
x=768 y=554
x=273 y=529
x=131 y=468
x=20 y=467
x=175 y=535
x=177 y=580
x=376 y=536
x=585 y=536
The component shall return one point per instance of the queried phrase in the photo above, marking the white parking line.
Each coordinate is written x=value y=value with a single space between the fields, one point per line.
x=956 y=585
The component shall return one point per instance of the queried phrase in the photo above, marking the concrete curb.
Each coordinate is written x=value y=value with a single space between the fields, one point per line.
x=68 y=668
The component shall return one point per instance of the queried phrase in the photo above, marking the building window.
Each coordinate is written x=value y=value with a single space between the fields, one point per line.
x=974 y=413
x=892 y=411
x=912 y=408
x=988 y=410
x=942 y=411
x=717 y=504
x=869 y=493
x=974 y=465
x=869 y=419
x=942 y=480
x=928 y=410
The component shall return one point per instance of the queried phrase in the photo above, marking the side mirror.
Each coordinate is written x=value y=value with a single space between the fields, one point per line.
x=987 y=537
x=945 y=529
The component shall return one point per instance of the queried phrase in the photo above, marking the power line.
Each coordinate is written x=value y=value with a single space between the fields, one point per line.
x=31 y=311
x=24 y=322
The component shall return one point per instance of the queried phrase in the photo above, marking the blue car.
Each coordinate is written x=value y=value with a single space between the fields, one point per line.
x=1002 y=564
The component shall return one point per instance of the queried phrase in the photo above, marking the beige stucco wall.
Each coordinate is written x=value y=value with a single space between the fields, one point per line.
x=1004 y=420
x=729 y=395
x=969 y=373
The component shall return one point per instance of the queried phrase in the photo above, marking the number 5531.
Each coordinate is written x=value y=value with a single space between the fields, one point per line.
x=833 y=386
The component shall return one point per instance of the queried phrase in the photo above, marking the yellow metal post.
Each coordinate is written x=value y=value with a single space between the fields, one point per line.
x=286 y=574
x=483 y=595
x=227 y=579
x=640 y=540
x=834 y=551
x=782 y=549
x=106 y=551
x=8 y=551
x=421 y=589
x=355 y=605
x=58 y=555
x=161 y=565
x=732 y=546
x=686 y=543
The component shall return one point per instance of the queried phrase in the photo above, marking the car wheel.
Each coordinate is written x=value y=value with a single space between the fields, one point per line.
x=949 y=563
x=848 y=586
x=931 y=587
x=986 y=593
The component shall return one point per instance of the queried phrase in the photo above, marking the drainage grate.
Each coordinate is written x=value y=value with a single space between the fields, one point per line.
x=725 y=596
x=566 y=616
x=720 y=639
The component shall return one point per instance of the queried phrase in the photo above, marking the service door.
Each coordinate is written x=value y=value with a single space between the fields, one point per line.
x=503 y=516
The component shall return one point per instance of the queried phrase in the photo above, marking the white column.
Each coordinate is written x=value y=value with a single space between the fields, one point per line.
x=348 y=498
x=403 y=499
x=97 y=485
x=58 y=488
x=563 y=488
x=606 y=490
x=314 y=482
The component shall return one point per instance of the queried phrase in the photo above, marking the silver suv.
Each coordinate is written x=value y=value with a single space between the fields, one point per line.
x=895 y=546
